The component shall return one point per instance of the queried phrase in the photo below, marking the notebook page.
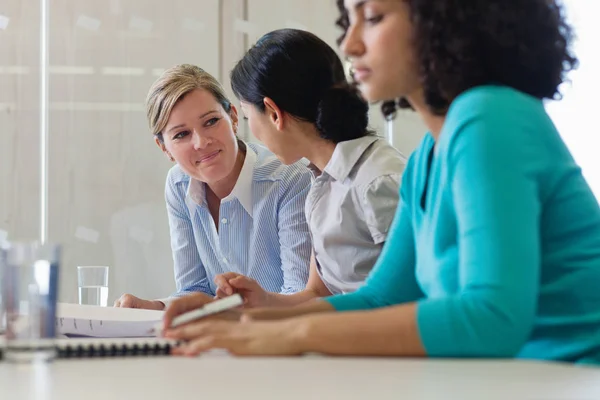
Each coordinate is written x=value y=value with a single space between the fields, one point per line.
x=105 y=322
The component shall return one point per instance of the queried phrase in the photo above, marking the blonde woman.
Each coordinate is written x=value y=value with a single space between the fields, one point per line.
x=232 y=206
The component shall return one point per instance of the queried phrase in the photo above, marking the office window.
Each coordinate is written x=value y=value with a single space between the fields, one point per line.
x=576 y=114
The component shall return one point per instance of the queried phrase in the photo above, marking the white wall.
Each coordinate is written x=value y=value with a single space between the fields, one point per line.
x=106 y=176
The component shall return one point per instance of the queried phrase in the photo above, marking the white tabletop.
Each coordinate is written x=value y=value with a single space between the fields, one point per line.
x=222 y=377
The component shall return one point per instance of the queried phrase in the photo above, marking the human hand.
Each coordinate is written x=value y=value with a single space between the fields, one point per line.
x=191 y=302
x=247 y=337
x=130 y=301
x=250 y=290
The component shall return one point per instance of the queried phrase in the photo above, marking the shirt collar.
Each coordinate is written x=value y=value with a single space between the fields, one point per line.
x=242 y=189
x=346 y=155
x=314 y=171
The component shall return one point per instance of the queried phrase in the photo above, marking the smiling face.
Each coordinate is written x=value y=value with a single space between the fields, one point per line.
x=200 y=137
x=379 y=43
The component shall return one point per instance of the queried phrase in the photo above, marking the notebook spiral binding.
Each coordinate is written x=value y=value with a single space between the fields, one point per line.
x=99 y=348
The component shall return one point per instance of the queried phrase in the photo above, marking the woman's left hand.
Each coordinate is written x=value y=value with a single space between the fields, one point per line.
x=239 y=338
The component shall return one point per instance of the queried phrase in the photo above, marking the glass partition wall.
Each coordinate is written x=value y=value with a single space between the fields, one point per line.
x=19 y=119
x=105 y=176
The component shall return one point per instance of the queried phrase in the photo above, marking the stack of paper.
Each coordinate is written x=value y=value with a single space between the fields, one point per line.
x=105 y=322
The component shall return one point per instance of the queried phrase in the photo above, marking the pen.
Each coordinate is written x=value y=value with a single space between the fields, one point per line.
x=208 y=309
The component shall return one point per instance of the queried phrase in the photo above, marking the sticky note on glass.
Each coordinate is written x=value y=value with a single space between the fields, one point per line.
x=140 y=24
x=193 y=24
x=87 y=234
x=4 y=20
x=89 y=23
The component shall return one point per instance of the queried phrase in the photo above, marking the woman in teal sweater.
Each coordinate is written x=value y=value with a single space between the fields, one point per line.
x=495 y=248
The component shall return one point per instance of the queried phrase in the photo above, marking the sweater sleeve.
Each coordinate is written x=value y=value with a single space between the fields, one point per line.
x=495 y=198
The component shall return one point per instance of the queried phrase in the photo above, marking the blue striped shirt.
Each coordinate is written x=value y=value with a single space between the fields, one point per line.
x=262 y=229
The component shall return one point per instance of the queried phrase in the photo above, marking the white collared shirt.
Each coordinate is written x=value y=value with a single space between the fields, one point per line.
x=242 y=190
x=262 y=230
x=350 y=208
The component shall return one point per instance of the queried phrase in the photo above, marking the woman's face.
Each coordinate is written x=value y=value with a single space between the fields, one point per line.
x=200 y=137
x=379 y=44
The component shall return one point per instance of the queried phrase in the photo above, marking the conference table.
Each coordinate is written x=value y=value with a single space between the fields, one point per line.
x=220 y=376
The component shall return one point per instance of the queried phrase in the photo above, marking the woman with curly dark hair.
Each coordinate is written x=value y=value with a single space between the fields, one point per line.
x=495 y=248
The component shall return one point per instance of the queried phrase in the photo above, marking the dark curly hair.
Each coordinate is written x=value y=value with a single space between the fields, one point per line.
x=460 y=44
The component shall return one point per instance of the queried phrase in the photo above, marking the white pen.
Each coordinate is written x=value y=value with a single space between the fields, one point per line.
x=215 y=307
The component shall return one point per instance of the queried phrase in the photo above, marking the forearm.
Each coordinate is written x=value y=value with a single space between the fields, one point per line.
x=188 y=286
x=290 y=300
x=161 y=304
x=476 y=325
x=314 y=289
x=386 y=332
x=273 y=313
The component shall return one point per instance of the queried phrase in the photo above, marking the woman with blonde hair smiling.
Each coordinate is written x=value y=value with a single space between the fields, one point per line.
x=232 y=206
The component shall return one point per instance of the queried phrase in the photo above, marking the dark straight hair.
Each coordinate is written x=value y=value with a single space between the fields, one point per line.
x=305 y=78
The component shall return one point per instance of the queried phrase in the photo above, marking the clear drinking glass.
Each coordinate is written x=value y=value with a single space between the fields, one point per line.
x=93 y=285
x=30 y=290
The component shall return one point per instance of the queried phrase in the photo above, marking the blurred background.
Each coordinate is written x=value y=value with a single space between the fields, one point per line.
x=73 y=78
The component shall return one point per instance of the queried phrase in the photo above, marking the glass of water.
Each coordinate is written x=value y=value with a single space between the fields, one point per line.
x=29 y=291
x=93 y=285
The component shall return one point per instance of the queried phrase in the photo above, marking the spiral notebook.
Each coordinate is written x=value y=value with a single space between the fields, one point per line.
x=123 y=347
x=93 y=331
x=108 y=332
x=107 y=347
x=105 y=322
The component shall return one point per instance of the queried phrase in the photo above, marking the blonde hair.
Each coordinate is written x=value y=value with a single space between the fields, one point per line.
x=172 y=86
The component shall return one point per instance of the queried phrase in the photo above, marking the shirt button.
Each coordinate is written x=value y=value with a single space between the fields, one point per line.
x=225 y=260
x=224 y=220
